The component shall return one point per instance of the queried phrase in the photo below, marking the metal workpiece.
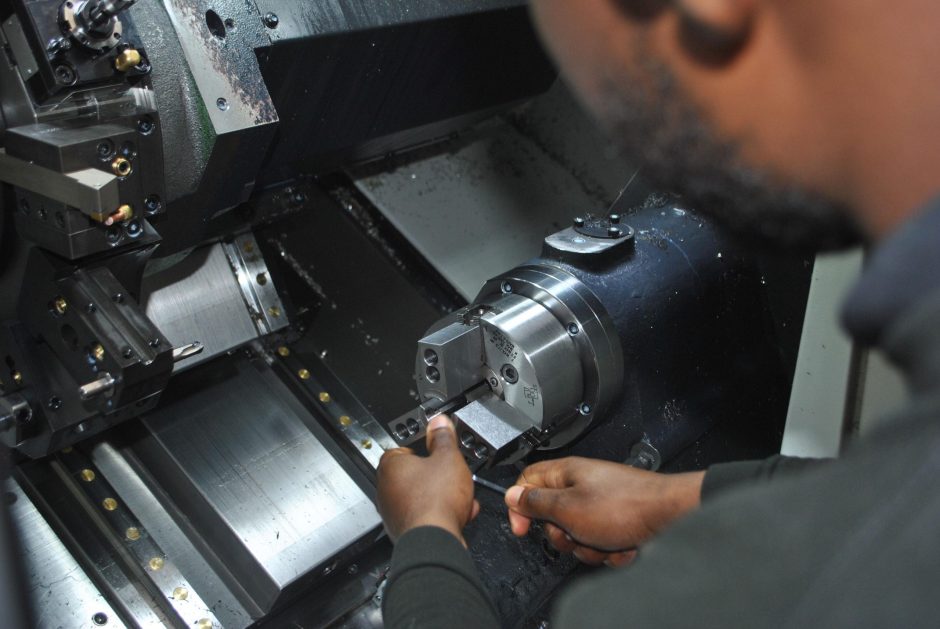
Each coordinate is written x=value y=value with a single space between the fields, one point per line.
x=545 y=347
x=256 y=284
x=492 y=429
x=94 y=23
x=59 y=590
x=86 y=355
x=258 y=481
x=213 y=283
x=140 y=556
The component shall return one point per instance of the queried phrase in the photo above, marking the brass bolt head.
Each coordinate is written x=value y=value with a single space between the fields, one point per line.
x=283 y=351
x=60 y=305
x=97 y=352
x=274 y=311
x=88 y=475
x=109 y=504
x=132 y=533
x=127 y=60
x=325 y=397
x=367 y=444
x=345 y=421
x=303 y=374
x=180 y=593
x=156 y=563
x=17 y=378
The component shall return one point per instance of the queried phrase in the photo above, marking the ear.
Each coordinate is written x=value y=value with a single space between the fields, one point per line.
x=714 y=31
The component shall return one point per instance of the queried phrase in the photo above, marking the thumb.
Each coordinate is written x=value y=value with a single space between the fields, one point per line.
x=442 y=436
x=536 y=502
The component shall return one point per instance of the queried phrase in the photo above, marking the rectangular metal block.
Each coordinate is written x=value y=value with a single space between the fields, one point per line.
x=241 y=464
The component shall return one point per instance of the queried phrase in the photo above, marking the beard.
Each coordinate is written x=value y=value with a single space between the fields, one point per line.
x=681 y=154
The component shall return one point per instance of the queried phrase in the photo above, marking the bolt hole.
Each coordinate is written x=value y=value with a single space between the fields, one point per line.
x=229 y=23
x=105 y=150
x=430 y=357
x=222 y=104
x=510 y=374
x=467 y=440
x=413 y=426
x=262 y=279
x=215 y=24
x=432 y=374
x=401 y=431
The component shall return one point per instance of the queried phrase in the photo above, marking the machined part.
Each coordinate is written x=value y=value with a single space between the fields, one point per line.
x=19 y=47
x=489 y=429
x=15 y=414
x=207 y=286
x=596 y=341
x=91 y=190
x=536 y=359
x=545 y=348
x=104 y=384
x=53 y=576
x=94 y=23
x=254 y=280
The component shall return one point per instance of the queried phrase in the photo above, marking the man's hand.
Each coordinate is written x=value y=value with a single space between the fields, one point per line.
x=599 y=510
x=436 y=490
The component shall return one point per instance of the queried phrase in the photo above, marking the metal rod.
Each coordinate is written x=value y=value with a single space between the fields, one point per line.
x=482 y=482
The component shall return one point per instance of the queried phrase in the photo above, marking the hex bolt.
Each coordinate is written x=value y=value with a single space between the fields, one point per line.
x=152 y=203
x=579 y=221
x=100 y=618
x=271 y=20
x=510 y=374
x=127 y=353
x=614 y=219
x=145 y=126
x=154 y=343
x=573 y=328
x=90 y=308
x=54 y=403
x=613 y=232
x=585 y=408
x=506 y=287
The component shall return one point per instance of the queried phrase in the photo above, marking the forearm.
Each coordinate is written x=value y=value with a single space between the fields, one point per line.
x=723 y=476
x=433 y=583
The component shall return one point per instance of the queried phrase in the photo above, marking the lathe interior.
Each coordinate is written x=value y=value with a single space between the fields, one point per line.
x=246 y=247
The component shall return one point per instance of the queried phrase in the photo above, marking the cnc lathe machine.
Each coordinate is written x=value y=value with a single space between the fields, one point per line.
x=246 y=246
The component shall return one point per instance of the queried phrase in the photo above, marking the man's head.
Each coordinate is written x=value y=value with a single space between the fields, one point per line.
x=780 y=116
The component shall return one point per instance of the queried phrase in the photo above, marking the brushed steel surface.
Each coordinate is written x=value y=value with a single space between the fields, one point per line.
x=268 y=497
x=175 y=543
x=201 y=299
x=60 y=592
